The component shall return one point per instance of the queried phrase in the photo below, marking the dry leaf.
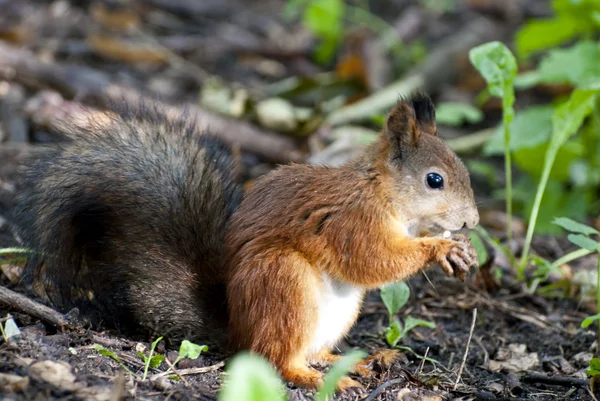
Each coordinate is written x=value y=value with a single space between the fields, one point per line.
x=514 y=358
x=123 y=50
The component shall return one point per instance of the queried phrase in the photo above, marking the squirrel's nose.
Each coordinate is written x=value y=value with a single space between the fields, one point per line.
x=472 y=219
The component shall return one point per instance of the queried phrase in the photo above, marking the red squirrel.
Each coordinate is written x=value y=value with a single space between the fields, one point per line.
x=138 y=220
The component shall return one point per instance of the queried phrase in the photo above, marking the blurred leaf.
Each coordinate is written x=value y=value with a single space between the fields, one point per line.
x=336 y=372
x=578 y=65
x=453 y=113
x=585 y=324
x=573 y=18
x=478 y=244
x=532 y=160
x=569 y=116
x=574 y=203
x=594 y=369
x=531 y=127
x=325 y=19
x=496 y=64
x=484 y=169
x=537 y=35
x=584 y=242
x=574 y=226
x=251 y=378
x=393 y=333
x=394 y=297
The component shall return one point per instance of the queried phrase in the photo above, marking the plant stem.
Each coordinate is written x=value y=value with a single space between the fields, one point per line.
x=570 y=257
x=598 y=295
x=507 y=117
x=548 y=162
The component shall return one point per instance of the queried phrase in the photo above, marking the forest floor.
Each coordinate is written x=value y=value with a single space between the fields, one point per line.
x=56 y=57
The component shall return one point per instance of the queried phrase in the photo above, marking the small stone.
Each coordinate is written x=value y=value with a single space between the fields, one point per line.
x=57 y=374
x=12 y=383
x=162 y=383
x=277 y=114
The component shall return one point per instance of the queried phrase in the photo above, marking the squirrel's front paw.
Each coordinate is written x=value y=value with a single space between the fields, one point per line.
x=456 y=256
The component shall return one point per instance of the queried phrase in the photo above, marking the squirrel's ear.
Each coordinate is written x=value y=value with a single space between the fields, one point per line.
x=410 y=119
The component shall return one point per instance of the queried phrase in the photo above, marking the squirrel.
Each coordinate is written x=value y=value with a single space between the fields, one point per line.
x=141 y=221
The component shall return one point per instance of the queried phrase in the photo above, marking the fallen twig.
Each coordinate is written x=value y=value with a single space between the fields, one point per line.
x=23 y=304
x=194 y=371
x=93 y=87
x=176 y=371
x=464 y=360
x=382 y=387
x=536 y=377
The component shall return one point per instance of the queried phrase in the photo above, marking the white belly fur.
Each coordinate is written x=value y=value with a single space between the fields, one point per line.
x=338 y=305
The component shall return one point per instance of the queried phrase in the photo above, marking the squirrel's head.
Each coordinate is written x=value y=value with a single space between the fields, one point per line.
x=434 y=185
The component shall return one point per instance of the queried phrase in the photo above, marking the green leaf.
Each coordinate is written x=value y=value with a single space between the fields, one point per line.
x=142 y=357
x=190 y=350
x=394 y=297
x=594 y=367
x=584 y=242
x=578 y=65
x=411 y=322
x=530 y=128
x=325 y=19
x=569 y=116
x=336 y=372
x=496 y=64
x=588 y=321
x=393 y=333
x=251 y=378
x=477 y=241
x=104 y=352
x=595 y=363
x=574 y=226
x=537 y=35
x=156 y=360
x=532 y=160
x=457 y=113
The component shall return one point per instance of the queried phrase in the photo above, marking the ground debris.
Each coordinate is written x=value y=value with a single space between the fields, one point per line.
x=514 y=358
x=10 y=383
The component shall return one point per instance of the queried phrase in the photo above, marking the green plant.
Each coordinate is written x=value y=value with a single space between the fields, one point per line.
x=251 y=378
x=574 y=19
x=498 y=67
x=104 y=352
x=594 y=369
x=14 y=251
x=336 y=372
x=394 y=297
x=324 y=18
x=189 y=350
x=566 y=121
x=457 y=114
x=151 y=361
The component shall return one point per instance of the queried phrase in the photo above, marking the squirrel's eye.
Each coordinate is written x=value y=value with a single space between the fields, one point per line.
x=435 y=181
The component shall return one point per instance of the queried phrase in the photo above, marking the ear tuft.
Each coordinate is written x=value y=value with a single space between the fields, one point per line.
x=424 y=111
x=408 y=120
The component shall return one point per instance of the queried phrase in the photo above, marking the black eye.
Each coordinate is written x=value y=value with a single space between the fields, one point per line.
x=435 y=181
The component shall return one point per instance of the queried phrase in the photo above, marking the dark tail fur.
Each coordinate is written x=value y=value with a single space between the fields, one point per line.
x=128 y=219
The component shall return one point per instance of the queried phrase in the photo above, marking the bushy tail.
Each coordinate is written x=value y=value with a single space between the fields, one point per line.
x=128 y=219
